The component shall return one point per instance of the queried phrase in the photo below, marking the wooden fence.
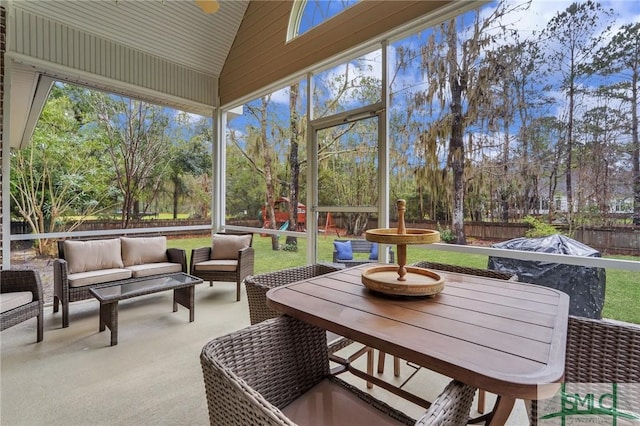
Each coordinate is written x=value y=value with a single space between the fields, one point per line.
x=611 y=240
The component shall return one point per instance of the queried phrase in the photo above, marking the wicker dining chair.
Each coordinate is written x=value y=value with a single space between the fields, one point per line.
x=16 y=284
x=257 y=287
x=276 y=372
x=487 y=273
x=600 y=351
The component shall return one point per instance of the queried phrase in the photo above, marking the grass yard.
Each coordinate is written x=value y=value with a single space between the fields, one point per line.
x=622 y=297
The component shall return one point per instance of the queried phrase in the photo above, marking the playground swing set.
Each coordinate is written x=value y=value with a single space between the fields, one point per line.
x=281 y=209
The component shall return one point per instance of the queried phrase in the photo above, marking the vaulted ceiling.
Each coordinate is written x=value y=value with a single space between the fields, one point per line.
x=175 y=31
x=172 y=53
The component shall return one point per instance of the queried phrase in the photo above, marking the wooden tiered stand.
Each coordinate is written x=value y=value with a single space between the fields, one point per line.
x=402 y=280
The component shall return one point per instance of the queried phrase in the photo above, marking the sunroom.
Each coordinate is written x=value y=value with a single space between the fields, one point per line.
x=229 y=64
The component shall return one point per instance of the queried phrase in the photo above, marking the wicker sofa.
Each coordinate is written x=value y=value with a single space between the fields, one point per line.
x=82 y=265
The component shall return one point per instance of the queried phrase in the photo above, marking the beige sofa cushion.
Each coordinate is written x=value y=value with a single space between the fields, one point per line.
x=83 y=256
x=148 y=269
x=228 y=246
x=138 y=251
x=97 y=277
x=217 y=265
x=14 y=299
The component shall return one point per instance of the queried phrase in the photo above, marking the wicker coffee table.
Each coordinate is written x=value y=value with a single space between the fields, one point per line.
x=109 y=295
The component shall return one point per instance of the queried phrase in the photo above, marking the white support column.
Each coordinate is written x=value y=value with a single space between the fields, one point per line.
x=218 y=188
x=312 y=181
x=383 y=149
x=6 y=152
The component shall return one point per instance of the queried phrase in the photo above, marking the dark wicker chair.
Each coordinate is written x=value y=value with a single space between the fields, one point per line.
x=600 y=351
x=258 y=285
x=243 y=269
x=23 y=281
x=264 y=374
x=488 y=273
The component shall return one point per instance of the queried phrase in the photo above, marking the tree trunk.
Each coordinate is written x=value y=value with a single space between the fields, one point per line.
x=456 y=144
x=176 y=192
x=294 y=165
x=636 y=148
x=570 y=149
x=268 y=174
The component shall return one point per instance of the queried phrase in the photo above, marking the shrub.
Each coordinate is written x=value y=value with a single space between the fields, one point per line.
x=290 y=247
x=538 y=228
x=446 y=235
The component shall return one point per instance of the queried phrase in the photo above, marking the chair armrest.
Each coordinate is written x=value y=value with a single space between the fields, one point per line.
x=177 y=255
x=451 y=407
x=245 y=262
x=335 y=257
x=22 y=280
x=198 y=255
x=60 y=273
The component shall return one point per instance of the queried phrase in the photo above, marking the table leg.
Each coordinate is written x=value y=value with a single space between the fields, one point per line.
x=186 y=297
x=109 y=318
x=501 y=410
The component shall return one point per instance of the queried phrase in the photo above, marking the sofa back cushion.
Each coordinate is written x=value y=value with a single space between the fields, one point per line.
x=83 y=256
x=138 y=251
x=226 y=246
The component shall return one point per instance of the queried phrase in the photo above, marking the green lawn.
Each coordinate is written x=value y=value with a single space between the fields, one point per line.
x=622 y=297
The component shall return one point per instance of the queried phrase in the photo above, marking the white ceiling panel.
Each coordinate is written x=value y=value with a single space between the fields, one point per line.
x=176 y=30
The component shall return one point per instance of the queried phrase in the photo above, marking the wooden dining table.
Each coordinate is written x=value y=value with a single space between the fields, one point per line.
x=505 y=337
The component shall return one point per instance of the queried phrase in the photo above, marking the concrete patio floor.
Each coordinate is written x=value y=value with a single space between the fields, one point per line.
x=153 y=375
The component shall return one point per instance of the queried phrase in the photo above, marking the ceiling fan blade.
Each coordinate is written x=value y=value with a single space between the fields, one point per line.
x=208 y=6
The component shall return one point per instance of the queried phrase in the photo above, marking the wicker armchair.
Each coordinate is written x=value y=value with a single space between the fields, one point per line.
x=258 y=285
x=277 y=373
x=600 y=351
x=469 y=271
x=207 y=265
x=16 y=282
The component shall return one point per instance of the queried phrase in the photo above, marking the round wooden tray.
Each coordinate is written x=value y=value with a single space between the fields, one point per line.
x=410 y=236
x=418 y=281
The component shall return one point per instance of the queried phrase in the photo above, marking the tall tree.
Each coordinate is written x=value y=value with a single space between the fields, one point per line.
x=264 y=150
x=620 y=58
x=138 y=146
x=191 y=158
x=547 y=136
x=458 y=82
x=59 y=180
x=294 y=162
x=573 y=36
x=600 y=128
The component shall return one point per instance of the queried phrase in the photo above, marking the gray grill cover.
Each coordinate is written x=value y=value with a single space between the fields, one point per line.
x=585 y=286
